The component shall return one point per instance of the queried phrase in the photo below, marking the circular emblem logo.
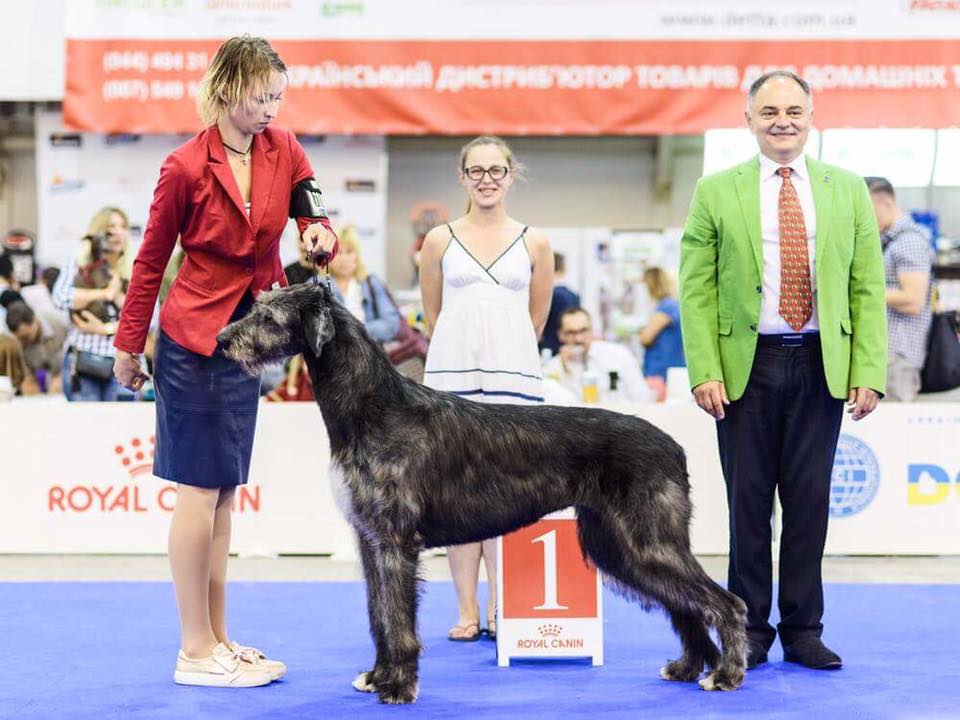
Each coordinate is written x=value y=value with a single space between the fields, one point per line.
x=855 y=477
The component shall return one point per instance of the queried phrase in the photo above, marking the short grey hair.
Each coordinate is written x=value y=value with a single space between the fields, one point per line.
x=762 y=80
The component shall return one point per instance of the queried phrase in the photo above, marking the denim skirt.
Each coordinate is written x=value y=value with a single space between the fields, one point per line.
x=206 y=416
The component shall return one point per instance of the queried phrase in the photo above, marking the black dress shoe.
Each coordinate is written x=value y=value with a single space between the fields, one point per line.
x=756 y=654
x=812 y=653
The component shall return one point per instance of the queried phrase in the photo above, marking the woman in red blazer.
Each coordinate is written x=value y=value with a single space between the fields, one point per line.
x=226 y=194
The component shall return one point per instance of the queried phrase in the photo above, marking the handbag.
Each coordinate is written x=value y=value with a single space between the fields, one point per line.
x=941 y=369
x=408 y=342
x=96 y=367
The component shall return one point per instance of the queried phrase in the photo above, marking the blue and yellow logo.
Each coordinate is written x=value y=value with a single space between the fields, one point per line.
x=927 y=484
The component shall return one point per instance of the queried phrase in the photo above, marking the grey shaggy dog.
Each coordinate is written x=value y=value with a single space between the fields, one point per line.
x=421 y=468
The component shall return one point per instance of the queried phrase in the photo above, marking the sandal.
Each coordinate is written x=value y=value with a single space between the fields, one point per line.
x=462 y=633
x=491 y=631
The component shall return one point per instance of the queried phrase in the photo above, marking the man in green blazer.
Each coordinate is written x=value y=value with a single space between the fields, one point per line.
x=783 y=316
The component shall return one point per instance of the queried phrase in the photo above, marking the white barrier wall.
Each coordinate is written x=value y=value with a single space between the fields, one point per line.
x=76 y=479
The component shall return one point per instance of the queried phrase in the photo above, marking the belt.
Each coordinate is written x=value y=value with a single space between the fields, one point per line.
x=792 y=340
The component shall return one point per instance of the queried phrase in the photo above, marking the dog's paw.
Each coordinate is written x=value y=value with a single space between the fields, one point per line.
x=722 y=680
x=681 y=671
x=398 y=694
x=364 y=682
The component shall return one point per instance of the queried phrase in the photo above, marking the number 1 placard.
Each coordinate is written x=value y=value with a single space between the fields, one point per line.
x=549 y=602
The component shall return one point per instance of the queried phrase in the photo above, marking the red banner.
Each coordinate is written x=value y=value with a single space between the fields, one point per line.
x=521 y=88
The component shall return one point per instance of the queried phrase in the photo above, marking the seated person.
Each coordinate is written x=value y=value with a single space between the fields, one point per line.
x=14 y=367
x=615 y=369
x=363 y=294
x=9 y=286
x=42 y=342
x=39 y=297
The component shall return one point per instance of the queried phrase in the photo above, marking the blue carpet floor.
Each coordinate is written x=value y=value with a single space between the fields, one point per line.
x=106 y=650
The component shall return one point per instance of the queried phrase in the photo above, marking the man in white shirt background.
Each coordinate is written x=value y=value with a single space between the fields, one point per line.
x=582 y=360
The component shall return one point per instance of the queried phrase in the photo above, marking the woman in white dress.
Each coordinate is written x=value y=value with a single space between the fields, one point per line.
x=486 y=281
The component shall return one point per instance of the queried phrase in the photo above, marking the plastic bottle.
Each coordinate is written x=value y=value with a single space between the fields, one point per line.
x=590 y=389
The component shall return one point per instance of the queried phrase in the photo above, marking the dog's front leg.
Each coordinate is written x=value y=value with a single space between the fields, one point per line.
x=369 y=680
x=398 y=683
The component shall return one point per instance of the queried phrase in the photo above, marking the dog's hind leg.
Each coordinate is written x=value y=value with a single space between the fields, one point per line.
x=610 y=555
x=698 y=649
x=398 y=681
x=728 y=614
x=669 y=575
x=367 y=681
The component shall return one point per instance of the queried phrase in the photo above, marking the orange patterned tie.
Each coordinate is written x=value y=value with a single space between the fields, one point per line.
x=796 y=298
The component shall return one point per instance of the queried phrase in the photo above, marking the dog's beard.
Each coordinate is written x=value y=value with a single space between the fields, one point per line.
x=252 y=367
x=246 y=348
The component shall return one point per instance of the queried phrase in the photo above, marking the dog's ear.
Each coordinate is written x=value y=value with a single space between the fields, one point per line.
x=275 y=314
x=317 y=329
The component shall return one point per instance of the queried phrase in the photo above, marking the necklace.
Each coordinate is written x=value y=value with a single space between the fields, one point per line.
x=244 y=156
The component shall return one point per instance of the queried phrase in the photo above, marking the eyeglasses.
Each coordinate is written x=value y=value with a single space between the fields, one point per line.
x=496 y=172
x=577 y=332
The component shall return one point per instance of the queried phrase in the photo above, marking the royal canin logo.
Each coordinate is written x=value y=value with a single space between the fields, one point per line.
x=137 y=457
x=549 y=630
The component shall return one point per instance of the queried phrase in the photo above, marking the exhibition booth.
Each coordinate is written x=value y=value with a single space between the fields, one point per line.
x=77 y=478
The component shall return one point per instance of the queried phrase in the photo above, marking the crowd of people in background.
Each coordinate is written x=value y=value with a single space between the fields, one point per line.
x=56 y=332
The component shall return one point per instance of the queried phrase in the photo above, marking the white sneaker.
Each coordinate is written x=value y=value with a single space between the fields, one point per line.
x=259 y=658
x=223 y=668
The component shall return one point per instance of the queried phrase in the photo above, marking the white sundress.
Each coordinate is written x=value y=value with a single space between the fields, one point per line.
x=484 y=347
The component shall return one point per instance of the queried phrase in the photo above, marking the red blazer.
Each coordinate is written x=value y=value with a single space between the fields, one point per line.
x=227 y=253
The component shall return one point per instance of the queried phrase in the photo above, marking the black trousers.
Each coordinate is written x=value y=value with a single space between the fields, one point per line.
x=780 y=436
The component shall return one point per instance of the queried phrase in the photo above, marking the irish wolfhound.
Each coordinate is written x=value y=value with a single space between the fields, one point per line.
x=419 y=468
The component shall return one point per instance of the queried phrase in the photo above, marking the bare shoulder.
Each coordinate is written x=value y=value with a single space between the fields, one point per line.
x=439 y=234
x=437 y=238
x=537 y=240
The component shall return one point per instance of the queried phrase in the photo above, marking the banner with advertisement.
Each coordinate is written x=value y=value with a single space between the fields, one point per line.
x=462 y=67
x=896 y=482
x=76 y=479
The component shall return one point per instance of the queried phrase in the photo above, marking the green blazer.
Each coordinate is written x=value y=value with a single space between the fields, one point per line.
x=721 y=279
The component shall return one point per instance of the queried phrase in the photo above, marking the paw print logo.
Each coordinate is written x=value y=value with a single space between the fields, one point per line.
x=549 y=630
x=137 y=456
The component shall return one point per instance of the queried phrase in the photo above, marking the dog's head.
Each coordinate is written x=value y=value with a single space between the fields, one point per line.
x=281 y=323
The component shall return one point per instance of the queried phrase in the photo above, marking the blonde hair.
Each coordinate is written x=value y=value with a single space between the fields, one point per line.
x=659 y=283
x=516 y=167
x=99 y=224
x=349 y=237
x=240 y=72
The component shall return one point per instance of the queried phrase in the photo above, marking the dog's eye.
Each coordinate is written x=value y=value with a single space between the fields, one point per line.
x=269 y=315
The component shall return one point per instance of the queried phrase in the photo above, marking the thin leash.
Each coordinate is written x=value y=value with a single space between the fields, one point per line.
x=321 y=259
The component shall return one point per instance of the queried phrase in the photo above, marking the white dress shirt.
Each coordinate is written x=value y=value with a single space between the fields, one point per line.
x=770 y=182
x=602 y=359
